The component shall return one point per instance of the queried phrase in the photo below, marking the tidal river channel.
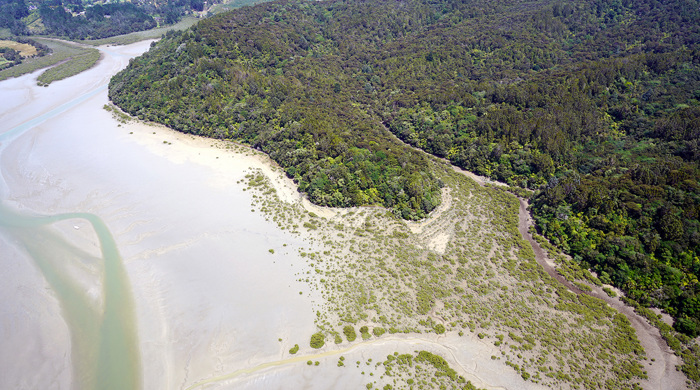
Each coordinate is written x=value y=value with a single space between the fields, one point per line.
x=104 y=344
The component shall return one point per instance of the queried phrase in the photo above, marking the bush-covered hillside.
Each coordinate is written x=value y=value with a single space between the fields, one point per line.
x=594 y=103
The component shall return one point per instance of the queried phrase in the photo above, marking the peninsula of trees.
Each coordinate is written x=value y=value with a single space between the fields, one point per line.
x=594 y=104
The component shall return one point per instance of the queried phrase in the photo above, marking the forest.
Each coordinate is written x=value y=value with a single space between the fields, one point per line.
x=593 y=104
x=76 y=19
x=99 y=21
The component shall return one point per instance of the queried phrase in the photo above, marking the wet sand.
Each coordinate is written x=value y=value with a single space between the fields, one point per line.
x=209 y=296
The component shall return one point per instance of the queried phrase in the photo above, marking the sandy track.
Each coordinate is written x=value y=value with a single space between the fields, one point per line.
x=449 y=349
x=662 y=361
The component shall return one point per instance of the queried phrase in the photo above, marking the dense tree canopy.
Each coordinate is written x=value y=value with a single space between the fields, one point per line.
x=593 y=103
x=99 y=21
x=77 y=19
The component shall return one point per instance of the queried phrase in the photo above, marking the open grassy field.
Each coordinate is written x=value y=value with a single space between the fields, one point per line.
x=24 y=49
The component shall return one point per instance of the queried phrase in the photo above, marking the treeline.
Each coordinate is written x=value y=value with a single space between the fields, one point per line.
x=594 y=103
x=98 y=21
x=339 y=154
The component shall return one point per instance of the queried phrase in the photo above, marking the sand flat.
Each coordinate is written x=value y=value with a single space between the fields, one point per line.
x=196 y=255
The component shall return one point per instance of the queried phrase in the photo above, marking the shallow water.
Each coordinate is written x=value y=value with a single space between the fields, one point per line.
x=103 y=337
x=105 y=341
x=127 y=261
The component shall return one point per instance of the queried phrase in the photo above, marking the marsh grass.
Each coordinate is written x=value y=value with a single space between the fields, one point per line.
x=418 y=370
x=376 y=271
x=67 y=59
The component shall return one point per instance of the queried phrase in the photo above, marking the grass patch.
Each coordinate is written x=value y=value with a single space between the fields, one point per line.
x=24 y=49
x=317 y=340
x=294 y=349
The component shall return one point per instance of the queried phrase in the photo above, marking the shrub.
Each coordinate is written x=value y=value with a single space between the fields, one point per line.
x=439 y=328
x=349 y=332
x=318 y=340
x=611 y=293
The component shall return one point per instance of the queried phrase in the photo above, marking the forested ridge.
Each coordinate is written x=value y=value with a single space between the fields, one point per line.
x=594 y=104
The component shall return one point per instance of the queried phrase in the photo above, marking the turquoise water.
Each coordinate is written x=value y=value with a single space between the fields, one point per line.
x=104 y=338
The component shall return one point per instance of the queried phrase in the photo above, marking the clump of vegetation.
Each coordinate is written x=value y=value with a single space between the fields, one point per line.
x=294 y=349
x=364 y=332
x=349 y=332
x=317 y=340
x=117 y=114
x=421 y=369
x=439 y=329
x=610 y=292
